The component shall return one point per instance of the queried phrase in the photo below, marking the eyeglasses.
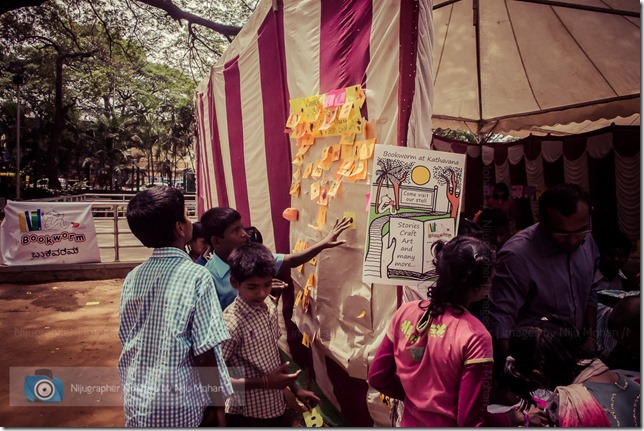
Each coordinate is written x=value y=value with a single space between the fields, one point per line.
x=578 y=234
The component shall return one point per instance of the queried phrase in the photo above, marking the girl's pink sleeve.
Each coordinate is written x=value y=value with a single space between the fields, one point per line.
x=474 y=397
x=382 y=372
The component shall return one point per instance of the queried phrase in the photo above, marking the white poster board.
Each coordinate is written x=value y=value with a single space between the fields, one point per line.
x=44 y=233
x=415 y=201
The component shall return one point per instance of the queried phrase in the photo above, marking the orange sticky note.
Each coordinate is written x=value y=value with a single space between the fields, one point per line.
x=359 y=97
x=368 y=130
x=323 y=199
x=307 y=139
x=307 y=170
x=329 y=118
x=314 y=260
x=346 y=151
x=298 y=298
x=355 y=151
x=310 y=282
x=292 y=120
x=325 y=152
x=321 y=215
x=315 y=190
x=305 y=339
x=303 y=149
x=337 y=150
x=346 y=167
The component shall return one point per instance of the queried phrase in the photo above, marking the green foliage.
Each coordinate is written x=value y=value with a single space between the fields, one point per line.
x=120 y=103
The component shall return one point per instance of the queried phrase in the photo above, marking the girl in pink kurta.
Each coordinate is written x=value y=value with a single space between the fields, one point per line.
x=436 y=355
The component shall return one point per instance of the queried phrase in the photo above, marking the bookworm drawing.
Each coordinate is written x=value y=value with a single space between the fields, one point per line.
x=415 y=201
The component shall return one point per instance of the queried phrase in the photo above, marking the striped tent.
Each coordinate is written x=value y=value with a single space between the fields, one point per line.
x=292 y=49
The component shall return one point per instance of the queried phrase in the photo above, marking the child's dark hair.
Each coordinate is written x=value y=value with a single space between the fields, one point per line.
x=197 y=231
x=503 y=188
x=462 y=264
x=251 y=260
x=609 y=238
x=216 y=220
x=254 y=235
x=551 y=346
x=563 y=198
x=152 y=214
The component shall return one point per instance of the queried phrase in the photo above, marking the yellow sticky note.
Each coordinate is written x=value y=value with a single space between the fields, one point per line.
x=298 y=160
x=317 y=172
x=366 y=149
x=314 y=260
x=298 y=298
x=325 y=152
x=355 y=151
x=295 y=189
x=93 y=303
x=361 y=315
x=315 y=190
x=352 y=216
x=303 y=149
x=321 y=215
x=301 y=268
x=299 y=131
x=318 y=228
x=347 y=138
x=307 y=170
x=333 y=190
x=329 y=117
x=359 y=97
x=297 y=174
x=345 y=110
x=305 y=339
x=310 y=282
x=313 y=419
x=346 y=167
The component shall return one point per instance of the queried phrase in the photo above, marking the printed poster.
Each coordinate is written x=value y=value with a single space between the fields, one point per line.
x=43 y=233
x=415 y=201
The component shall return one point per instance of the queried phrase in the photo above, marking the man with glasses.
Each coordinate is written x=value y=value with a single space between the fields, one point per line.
x=548 y=269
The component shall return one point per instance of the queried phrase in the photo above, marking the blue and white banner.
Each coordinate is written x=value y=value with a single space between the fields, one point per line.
x=43 y=233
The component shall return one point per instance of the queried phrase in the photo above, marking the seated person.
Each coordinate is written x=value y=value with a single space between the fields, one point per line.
x=618 y=333
x=548 y=354
x=614 y=250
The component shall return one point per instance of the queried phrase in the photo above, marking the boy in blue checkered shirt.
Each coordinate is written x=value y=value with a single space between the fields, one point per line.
x=252 y=348
x=171 y=369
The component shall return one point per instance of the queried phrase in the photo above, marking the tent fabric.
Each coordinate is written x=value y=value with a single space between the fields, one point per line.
x=605 y=162
x=291 y=49
x=541 y=64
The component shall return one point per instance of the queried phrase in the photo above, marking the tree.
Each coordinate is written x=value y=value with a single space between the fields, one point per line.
x=394 y=172
x=452 y=180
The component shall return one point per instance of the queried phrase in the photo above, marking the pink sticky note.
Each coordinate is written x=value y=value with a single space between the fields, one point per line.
x=340 y=98
x=329 y=100
x=368 y=196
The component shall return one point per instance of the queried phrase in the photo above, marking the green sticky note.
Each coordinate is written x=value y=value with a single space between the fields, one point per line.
x=351 y=215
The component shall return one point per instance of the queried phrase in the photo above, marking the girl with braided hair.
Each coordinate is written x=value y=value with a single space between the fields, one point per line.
x=437 y=357
x=548 y=354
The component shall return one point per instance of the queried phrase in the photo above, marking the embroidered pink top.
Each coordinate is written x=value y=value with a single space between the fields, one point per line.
x=442 y=370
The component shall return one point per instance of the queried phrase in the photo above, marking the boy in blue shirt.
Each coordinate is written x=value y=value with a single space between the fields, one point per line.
x=170 y=324
x=224 y=232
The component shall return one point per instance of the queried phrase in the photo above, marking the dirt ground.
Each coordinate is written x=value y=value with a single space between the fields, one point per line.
x=60 y=324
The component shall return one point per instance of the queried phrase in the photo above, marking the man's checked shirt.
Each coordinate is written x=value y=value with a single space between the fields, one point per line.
x=169 y=314
x=252 y=350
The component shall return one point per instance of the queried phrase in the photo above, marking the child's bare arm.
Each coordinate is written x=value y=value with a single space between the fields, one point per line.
x=209 y=374
x=330 y=241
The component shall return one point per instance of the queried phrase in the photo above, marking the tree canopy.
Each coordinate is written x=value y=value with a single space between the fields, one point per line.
x=108 y=83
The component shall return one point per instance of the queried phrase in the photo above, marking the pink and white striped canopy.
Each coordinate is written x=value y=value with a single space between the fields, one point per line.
x=298 y=48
